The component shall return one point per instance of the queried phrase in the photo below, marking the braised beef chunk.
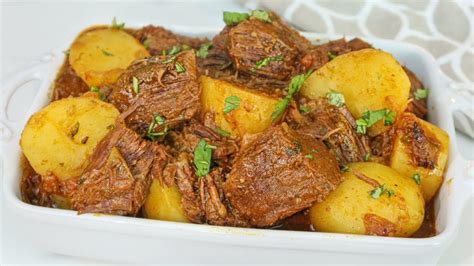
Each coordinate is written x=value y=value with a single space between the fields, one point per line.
x=68 y=83
x=159 y=39
x=382 y=144
x=117 y=179
x=334 y=126
x=415 y=106
x=424 y=148
x=167 y=87
x=263 y=186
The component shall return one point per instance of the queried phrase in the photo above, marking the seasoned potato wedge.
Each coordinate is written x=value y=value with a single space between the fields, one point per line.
x=420 y=152
x=100 y=55
x=164 y=203
x=60 y=137
x=252 y=115
x=369 y=79
x=360 y=205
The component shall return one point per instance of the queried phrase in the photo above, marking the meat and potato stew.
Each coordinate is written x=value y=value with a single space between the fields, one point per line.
x=257 y=127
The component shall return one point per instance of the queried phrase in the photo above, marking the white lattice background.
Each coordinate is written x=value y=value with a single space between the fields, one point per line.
x=444 y=28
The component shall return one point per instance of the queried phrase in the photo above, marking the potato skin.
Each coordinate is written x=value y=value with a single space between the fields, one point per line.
x=100 y=55
x=164 y=203
x=369 y=79
x=253 y=114
x=351 y=209
x=48 y=140
x=401 y=159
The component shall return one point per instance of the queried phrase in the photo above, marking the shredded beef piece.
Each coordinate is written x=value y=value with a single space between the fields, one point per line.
x=263 y=186
x=418 y=107
x=161 y=91
x=159 y=39
x=68 y=83
x=334 y=126
x=382 y=144
x=119 y=174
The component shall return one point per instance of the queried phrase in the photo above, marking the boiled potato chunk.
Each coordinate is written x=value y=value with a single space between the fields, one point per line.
x=356 y=207
x=253 y=114
x=415 y=136
x=100 y=55
x=60 y=138
x=369 y=79
x=164 y=203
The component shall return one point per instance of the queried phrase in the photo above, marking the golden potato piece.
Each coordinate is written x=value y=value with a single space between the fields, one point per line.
x=60 y=137
x=100 y=55
x=164 y=203
x=252 y=115
x=374 y=200
x=420 y=153
x=369 y=79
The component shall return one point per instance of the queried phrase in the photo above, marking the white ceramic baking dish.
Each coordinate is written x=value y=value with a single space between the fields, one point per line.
x=126 y=239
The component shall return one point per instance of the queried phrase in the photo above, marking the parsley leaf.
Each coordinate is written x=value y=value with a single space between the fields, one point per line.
x=222 y=132
x=380 y=190
x=266 y=61
x=233 y=18
x=331 y=56
x=179 y=68
x=117 y=26
x=261 y=15
x=295 y=85
x=107 y=53
x=305 y=109
x=421 y=94
x=145 y=43
x=203 y=50
x=369 y=118
x=335 y=98
x=309 y=156
x=202 y=157
x=156 y=120
x=367 y=157
x=174 y=50
x=96 y=90
x=344 y=168
x=417 y=178
x=135 y=85
x=231 y=103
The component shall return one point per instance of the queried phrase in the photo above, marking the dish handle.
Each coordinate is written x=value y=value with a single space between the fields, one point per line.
x=38 y=71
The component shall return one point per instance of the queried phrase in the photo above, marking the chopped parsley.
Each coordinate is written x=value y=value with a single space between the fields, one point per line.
x=135 y=85
x=421 y=94
x=369 y=118
x=106 y=53
x=156 y=120
x=231 y=103
x=344 y=168
x=305 y=109
x=174 y=50
x=417 y=178
x=203 y=50
x=145 y=43
x=266 y=61
x=74 y=130
x=169 y=60
x=335 y=98
x=222 y=132
x=117 y=26
x=331 y=56
x=309 y=156
x=367 y=157
x=179 y=67
x=96 y=90
x=379 y=191
x=261 y=15
x=202 y=157
x=234 y=18
x=295 y=85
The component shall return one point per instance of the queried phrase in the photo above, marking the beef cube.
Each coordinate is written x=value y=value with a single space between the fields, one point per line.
x=279 y=174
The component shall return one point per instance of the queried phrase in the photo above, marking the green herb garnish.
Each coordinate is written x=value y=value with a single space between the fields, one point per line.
x=231 y=103
x=135 y=85
x=179 y=68
x=202 y=157
x=266 y=61
x=261 y=15
x=174 y=50
x=295 y=85
x=203 y=50
x=369 y=118
x=305 y=109
x=156 y=120
x=367 y=157
x=107 y=53
x=417 y=178
x=117 y=26
x=421 y=94
x=96 y=90
x=233 y=18
x=331 y=56
x=309 y=156
x=222 y=132
x=344 y=168
x=379 y=191
x=145 y=43
x=335 y=98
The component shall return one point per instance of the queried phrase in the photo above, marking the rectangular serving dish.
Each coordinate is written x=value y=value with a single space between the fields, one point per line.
x=127 y=239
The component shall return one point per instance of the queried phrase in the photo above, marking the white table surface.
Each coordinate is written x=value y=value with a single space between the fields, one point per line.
x=29 y=30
